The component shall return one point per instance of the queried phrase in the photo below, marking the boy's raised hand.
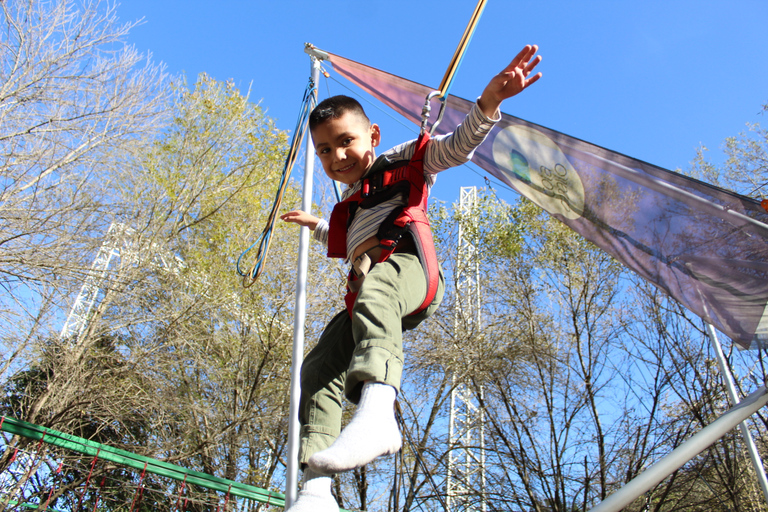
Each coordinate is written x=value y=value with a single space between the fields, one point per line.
x=301 y=218
x=515 y=78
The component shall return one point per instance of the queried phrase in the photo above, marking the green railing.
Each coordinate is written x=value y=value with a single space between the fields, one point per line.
x=139 y=462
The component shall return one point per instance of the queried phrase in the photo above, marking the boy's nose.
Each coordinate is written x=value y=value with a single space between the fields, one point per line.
x=340 y=154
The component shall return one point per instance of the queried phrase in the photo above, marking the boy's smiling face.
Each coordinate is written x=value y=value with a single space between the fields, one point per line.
x=345 y=146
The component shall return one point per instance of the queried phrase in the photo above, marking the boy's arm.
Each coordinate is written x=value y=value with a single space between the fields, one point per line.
x=513 y=79
x=457 y=148
x=302 y=218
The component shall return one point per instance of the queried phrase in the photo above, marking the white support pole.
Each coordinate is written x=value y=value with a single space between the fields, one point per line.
x=683 y=453
x=757 y=462
x=292 y=476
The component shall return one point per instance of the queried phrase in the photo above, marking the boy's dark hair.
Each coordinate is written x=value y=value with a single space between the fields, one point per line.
x=335 y=107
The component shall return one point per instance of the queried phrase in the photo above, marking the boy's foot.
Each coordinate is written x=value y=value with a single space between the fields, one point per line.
x=372 y=433
x=308 y=502
x=315 y=494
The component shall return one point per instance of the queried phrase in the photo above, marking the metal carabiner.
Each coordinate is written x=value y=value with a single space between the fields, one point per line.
x=426 y=110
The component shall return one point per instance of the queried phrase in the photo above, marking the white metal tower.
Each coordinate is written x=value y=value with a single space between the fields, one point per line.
x=465 y=482
x=118 y=244
x=82 y=309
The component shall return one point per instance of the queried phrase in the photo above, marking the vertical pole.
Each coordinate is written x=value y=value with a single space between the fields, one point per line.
x=292 y=477
x=483 y=480
x=451 y=426
x=757 y=462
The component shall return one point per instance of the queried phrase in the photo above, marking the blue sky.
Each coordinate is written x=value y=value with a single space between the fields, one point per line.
x=651 y=79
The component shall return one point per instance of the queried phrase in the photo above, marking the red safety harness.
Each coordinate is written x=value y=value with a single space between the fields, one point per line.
x=401 y=177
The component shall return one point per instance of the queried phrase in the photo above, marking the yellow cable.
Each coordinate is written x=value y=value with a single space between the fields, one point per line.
x=454 y=65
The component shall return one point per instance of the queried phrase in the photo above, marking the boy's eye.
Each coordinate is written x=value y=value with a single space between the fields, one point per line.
x=347 y=141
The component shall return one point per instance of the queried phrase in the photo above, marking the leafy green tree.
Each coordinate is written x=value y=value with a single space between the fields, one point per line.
x=217 y=354
x=209 y=361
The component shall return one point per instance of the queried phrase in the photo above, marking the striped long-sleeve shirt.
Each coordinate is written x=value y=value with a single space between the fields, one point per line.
x=443 y=152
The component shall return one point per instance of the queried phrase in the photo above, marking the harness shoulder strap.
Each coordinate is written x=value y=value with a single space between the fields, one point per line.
x=375 y=189
x=407 y=179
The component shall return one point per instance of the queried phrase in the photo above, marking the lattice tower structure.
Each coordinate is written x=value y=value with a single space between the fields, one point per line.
x=86 y=300
x=118 y=244
x=465 y=481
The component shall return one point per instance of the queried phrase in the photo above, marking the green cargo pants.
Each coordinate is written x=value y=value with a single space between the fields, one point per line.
x=367 y=346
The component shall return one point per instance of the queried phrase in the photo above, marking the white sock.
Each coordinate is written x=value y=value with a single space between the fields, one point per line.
x=315 y=494
x=373 y=432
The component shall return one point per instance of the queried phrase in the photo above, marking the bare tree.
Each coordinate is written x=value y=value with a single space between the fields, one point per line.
x=586 y=376
x=746 y=166
x=75 y=103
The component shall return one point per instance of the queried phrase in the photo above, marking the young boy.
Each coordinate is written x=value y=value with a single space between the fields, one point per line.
x=359 y=354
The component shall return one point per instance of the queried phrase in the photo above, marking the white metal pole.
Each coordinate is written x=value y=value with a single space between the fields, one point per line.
x=683 y=453
x=757 y=462
x=292 y=478
x=451 y=456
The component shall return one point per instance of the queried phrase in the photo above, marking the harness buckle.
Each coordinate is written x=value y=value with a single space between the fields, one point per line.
x=372 y=185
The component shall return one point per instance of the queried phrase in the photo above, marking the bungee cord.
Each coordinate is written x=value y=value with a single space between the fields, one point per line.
x=265 y=239
x=445 y=85
x=458 y=55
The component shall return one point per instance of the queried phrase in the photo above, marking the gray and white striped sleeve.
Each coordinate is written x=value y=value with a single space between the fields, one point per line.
x=456 y=148
x=321 y=232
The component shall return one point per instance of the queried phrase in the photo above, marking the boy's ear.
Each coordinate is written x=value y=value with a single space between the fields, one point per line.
x=375 y=135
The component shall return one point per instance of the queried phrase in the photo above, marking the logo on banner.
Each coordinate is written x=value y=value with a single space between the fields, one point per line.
x=539 y=170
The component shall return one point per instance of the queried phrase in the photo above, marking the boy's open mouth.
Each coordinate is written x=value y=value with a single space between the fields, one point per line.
x=346 y=169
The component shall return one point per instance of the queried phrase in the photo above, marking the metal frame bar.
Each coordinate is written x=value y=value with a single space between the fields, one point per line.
x=138 y=462
x=299 y=316
x=754 y=455
x=683 y=453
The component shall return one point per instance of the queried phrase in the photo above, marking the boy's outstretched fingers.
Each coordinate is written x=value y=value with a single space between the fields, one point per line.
x=531 y=64
x=523 y=64
x=301 y=218
x=512 y=80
